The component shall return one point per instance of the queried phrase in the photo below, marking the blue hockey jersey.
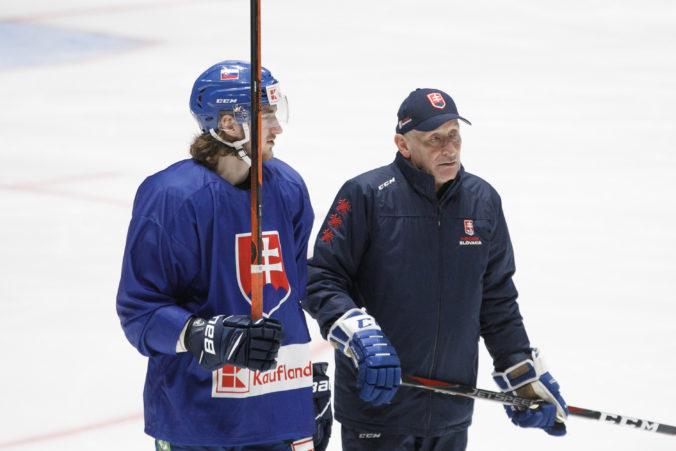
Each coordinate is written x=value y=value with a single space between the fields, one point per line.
x=188 y=253
x=436 y=273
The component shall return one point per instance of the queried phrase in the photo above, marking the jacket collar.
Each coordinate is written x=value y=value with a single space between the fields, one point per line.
x=421 y=181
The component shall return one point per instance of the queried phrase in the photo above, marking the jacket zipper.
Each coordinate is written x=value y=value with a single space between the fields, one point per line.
x=438 y=316
x=439 y=278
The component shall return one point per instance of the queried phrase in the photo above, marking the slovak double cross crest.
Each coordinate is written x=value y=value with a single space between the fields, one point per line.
x=276 y=287
x=436 y=100
x=469 y=227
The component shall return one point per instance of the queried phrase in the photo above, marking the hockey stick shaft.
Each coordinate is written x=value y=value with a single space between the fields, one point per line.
x=256 y=165
x=468 y=391
x=504 y=398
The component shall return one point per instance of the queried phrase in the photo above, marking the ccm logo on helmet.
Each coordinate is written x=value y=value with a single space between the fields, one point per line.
x=226 y=100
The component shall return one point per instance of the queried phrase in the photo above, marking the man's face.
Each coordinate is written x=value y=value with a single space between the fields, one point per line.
x=270 y=128
x=436 y=152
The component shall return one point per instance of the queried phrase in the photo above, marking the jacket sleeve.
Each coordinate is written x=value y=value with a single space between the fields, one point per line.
x=340 y=244
x=155 y=267
x=502 y=326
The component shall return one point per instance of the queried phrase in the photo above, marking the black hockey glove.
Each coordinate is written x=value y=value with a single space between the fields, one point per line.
x=321 y=398
x=235 y=340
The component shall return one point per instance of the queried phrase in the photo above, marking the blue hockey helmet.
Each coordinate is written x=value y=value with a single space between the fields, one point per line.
x=226 y=87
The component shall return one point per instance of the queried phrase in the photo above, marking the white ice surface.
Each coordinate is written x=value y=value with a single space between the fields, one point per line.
x=573 y=105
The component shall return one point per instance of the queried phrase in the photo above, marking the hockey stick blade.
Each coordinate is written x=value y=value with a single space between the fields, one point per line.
x=503 y=398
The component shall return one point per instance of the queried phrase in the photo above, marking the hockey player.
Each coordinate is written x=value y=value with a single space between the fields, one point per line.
x=216 y=378
x=417 y=252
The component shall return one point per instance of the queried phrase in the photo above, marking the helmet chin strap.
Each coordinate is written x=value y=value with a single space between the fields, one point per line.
x=237 y=145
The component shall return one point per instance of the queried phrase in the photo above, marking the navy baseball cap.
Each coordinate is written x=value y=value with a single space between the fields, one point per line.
x=426 y=109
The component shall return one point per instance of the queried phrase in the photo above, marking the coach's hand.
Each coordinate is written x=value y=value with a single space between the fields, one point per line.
x=358 y=336
x=531 y=379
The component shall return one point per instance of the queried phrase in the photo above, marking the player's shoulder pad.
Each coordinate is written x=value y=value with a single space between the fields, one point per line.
x=282 y=171
x=167 y=190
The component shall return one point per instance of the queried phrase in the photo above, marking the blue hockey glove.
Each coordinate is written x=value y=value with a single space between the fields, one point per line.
x=530 y=379
x=357 y=335
x=321 y=398
x=235 y=340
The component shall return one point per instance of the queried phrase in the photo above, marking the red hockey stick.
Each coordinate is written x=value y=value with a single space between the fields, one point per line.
x=256 y=165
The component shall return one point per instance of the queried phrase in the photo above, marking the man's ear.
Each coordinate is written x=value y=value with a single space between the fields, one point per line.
x=228 y=124
x=402 y=144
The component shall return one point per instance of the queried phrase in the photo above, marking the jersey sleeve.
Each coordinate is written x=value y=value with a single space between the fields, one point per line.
x=338 y=250
x=155 y=268
x=302 y=228
x=502 y=326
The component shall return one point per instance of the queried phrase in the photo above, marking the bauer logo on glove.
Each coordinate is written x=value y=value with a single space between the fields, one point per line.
x=236 y=340
x=321 y=398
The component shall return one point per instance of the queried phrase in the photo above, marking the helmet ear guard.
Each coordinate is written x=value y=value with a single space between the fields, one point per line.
x=237 y=145
x=239 y=113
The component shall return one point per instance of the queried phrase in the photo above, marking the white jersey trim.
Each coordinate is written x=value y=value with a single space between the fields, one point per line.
x=294 y=370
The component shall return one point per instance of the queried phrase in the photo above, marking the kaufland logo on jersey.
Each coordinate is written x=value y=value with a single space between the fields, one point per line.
x=281 y=374
x=294 y=370
x=241 y=380
x=276 y=288
x=233 y=379
x=436 y=100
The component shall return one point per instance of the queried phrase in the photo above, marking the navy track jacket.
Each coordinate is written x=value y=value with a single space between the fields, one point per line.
x=435 y=273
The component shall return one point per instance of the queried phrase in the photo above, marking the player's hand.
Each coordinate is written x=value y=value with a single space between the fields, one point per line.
x=321 y=398
x=530 y=379
x=358 y=336
x=235 y=340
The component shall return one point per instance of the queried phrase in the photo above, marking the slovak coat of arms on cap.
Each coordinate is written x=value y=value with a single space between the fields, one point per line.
x=436 y=100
